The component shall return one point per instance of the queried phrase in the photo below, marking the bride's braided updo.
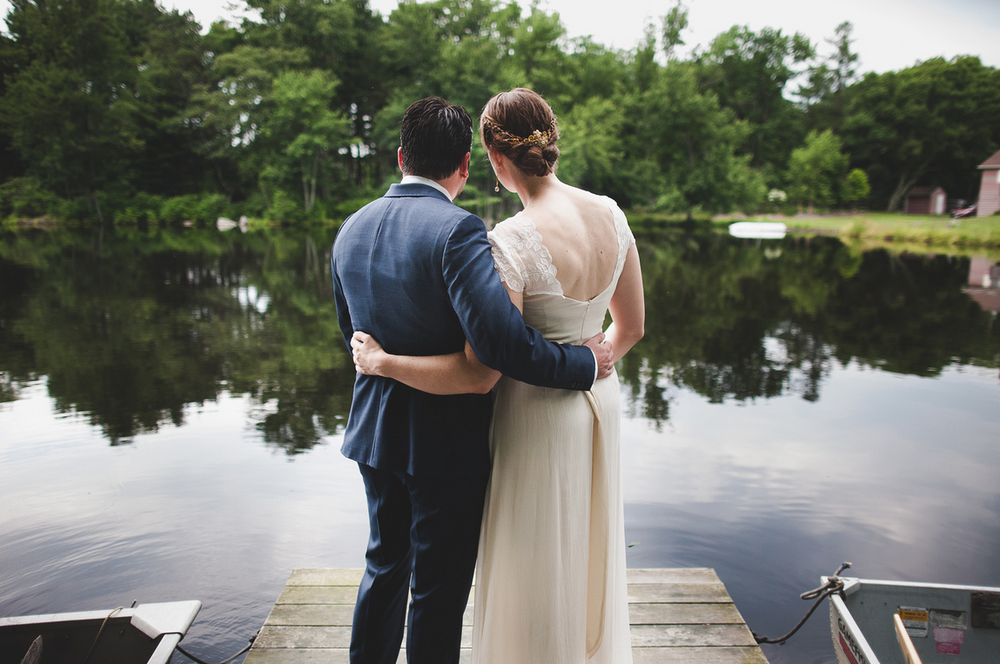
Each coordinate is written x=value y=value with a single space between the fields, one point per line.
x=521 y=125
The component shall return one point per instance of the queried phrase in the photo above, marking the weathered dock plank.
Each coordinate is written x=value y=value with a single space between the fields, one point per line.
x=676 y=615
x=684 y=614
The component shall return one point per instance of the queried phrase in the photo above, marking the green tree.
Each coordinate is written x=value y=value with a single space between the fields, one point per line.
x=674 y=23
x=170 y=65
x=590 y=145
x=538 y=60
x=933 y=122
x=11 y=165
x=303 y=130
x=827 y=89
x=856 y=187
x=71 y=108
x=695 y=142
x=816 y=171
x=593 y=71
x=95 y=94
x=845 y=61
x=471 y=50
x=229 y=111
x=748 y=72
x=343 y=38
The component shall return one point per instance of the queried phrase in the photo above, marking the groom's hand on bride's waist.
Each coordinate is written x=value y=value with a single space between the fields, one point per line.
x=603 y=352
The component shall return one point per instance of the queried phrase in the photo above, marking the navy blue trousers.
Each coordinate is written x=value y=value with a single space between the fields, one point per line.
x=424 y=536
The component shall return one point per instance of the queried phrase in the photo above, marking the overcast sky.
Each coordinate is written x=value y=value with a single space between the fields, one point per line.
x=889 y=34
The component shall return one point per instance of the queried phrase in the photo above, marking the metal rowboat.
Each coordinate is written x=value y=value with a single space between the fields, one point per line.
x=892 y=622
x=143 y=634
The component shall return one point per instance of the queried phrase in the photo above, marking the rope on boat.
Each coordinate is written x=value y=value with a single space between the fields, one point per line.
x=225 y=661
x=98 y=637
x=833 y=585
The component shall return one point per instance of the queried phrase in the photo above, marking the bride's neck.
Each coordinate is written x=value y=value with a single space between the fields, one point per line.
x=530 y=188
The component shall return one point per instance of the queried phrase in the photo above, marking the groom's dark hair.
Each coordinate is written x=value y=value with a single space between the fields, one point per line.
x=434 y=138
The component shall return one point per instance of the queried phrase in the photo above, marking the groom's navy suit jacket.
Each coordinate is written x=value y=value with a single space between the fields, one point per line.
x=416 y=272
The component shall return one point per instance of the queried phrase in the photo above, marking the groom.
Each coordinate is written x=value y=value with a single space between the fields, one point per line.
x=416 y=272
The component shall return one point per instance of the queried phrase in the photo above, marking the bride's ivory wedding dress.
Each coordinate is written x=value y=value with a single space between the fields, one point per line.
x=550 y=580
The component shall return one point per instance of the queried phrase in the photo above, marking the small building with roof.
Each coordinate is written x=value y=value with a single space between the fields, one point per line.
x=989 y=186
x=926 y=200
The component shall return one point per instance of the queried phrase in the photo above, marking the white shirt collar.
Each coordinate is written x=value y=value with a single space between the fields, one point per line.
x=416 y=179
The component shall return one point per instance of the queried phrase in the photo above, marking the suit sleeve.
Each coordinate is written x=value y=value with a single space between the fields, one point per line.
x=343 y=312
x=493 y=325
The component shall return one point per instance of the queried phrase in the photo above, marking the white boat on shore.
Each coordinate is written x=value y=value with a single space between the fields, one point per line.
x=143 y=634
x=893 y=622
x=768 y=230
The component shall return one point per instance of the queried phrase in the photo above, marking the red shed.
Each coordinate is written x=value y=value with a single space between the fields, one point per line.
x=989 y=187
x=926 y=200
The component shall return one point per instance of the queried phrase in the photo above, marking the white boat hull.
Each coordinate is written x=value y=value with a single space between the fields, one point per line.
x=768 y=230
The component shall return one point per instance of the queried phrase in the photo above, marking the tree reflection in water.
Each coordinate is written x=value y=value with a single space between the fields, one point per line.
x=730 y=320
x=130 y=327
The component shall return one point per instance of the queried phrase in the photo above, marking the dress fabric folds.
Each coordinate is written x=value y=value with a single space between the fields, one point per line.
x=550 y=578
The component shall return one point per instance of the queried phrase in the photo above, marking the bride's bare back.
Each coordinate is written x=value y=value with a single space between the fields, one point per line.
x=578 y=229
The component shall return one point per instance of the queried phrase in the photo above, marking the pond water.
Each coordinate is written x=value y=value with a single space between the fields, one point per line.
x=171 y=405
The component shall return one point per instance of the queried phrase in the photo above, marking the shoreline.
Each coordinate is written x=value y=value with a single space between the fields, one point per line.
x=927 y=232
x=868 y=228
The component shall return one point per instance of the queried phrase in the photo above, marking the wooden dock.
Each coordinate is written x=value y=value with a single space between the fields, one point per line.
x=677 y=616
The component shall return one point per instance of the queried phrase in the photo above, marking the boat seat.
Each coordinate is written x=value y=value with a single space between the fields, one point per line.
x=34 y=654
x=910 y=655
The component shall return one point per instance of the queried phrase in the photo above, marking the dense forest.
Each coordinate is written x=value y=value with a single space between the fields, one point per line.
x=121 y=111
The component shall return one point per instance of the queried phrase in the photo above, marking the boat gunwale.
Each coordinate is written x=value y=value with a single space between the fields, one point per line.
x=179 y=617
x=71 y=616
x=912 y=584
x=839 y=608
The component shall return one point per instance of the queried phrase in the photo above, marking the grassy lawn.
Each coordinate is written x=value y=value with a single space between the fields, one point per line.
x=931 y=232
x=900 y=232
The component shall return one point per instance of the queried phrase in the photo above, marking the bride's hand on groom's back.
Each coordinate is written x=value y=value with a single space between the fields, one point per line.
x=604 y=352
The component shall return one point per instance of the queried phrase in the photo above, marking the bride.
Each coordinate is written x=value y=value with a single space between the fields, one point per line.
x=550 y=578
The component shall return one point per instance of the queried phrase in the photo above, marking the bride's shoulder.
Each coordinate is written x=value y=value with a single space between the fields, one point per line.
x=608 y=203
x=602 y=206
x=595 y=203
x=518 y=225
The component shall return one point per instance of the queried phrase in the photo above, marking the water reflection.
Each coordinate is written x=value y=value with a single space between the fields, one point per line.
x=736 y=322
x=131 y=329
x=170 y=404
x=894 y=473
x=128 y=328
x=984 y=284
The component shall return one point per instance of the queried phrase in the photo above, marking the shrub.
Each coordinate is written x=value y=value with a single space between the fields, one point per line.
x=856 y=187
x=671 y=201
x=285 y=209
x=25 y=197
x=128 y=215
x=747 y=186
x=177 y=209
x=76 y=209
x=209 y=207
x=201 y=208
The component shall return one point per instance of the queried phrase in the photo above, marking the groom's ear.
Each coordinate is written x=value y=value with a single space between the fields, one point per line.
x=464 y=168
x=399 y=159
